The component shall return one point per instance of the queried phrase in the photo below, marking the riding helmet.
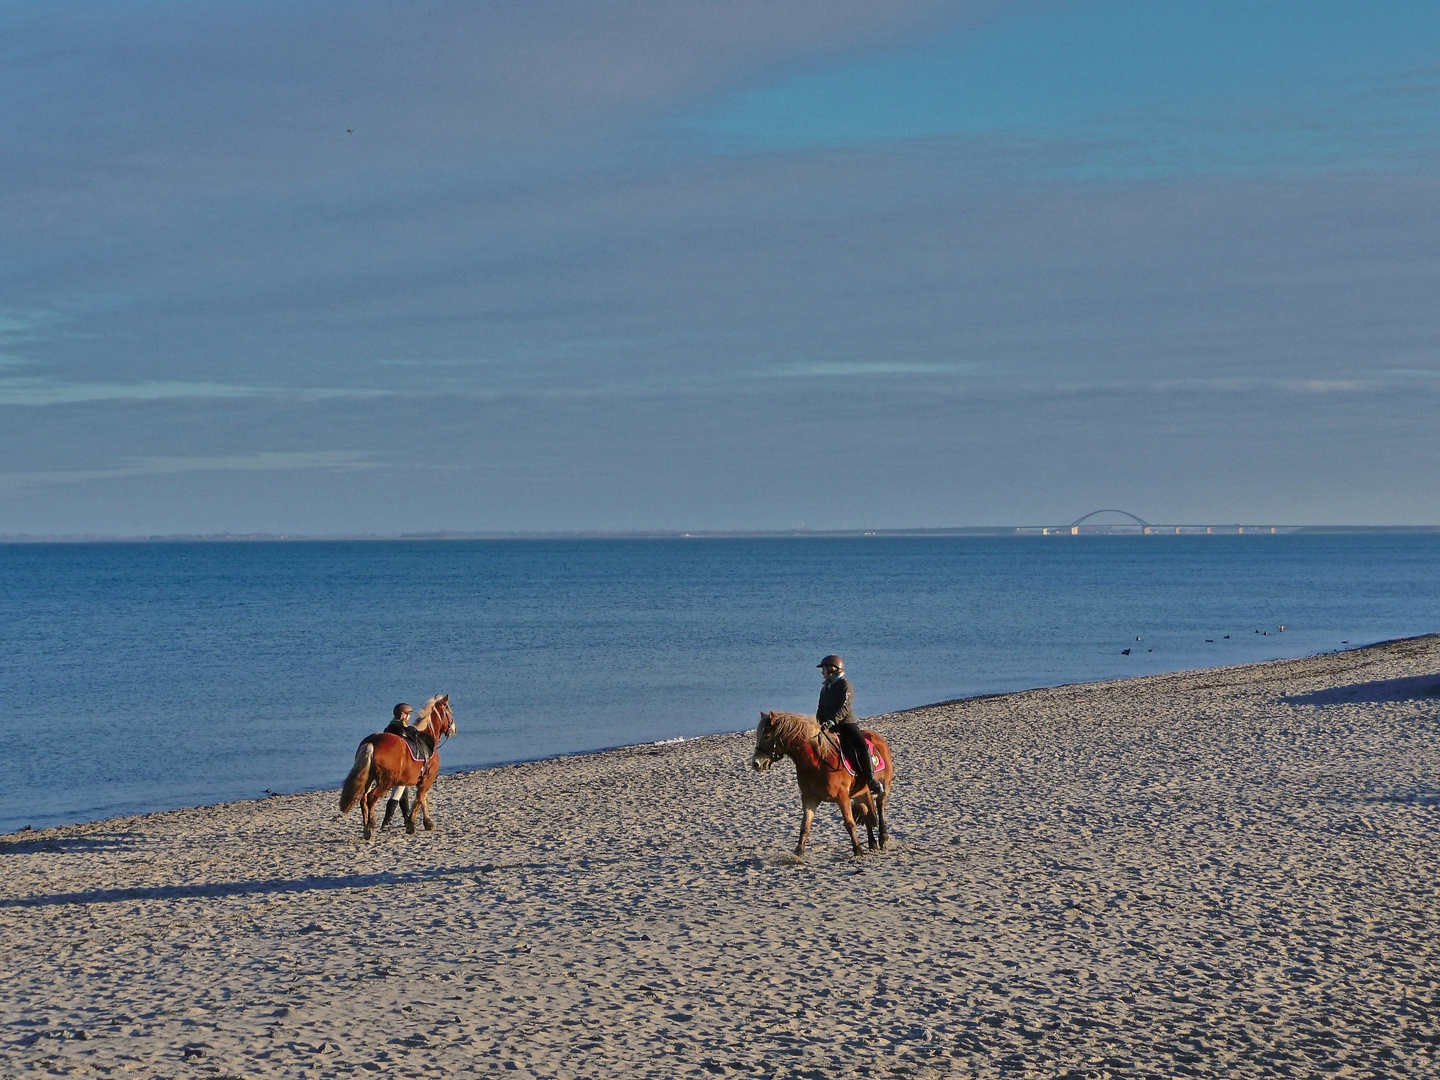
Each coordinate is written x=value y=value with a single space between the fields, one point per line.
x=832 y=661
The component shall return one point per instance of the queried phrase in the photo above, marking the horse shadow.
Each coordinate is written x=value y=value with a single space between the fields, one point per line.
x=21 y=844
x=318 y=883
x=1417 y=687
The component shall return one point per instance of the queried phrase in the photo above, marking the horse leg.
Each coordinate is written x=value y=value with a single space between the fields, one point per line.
x=367 y=809
x=849 y=816
x=864 y=815
x=867 y=803
x=422 y=803
x=880 y=817
x=807 y=815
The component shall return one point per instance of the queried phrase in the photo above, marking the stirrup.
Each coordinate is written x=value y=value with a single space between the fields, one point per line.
x=877 y=786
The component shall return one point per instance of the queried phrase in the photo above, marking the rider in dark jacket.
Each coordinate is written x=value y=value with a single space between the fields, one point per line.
x=399 y=724
x=836 y=712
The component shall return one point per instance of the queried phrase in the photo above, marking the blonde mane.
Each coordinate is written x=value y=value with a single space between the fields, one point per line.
x=791 y=728
x=426 y=719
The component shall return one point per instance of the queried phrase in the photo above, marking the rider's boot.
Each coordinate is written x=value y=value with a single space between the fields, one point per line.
x=389 y=813
x=877 y=787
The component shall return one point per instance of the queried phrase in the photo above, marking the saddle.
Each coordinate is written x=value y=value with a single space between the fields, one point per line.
x=420 y=745
x=877 y=763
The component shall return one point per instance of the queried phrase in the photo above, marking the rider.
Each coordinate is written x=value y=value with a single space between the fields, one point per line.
x=397 y=726
x=836 y=713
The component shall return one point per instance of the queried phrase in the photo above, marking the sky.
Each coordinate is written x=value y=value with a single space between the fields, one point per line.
x=317 y=268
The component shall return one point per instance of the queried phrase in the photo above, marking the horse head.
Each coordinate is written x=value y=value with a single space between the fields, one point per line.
x=447 y=720
x=767 y=744
x=435 y=717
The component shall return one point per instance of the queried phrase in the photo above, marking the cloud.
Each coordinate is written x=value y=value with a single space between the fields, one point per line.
x=336 y=97
x=39 y=391
x=263 y=461
x=592 y=318
x=34 y=391
x=821 y=369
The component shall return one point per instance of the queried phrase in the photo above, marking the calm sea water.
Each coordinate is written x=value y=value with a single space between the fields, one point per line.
x=137 y=677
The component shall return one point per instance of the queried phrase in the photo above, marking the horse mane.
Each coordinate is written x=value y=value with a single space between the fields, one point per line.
x=426 y=721
x=792 y=727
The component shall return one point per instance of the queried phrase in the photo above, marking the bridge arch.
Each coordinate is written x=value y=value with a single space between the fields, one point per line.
x=1137 y=520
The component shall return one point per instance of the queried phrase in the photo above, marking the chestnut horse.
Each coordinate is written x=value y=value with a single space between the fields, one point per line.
x=383 y=762
x=821 y=774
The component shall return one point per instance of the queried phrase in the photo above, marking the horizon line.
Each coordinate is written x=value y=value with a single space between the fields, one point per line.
x=1230 y=529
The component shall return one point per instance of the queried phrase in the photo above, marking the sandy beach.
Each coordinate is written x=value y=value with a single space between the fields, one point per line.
x=1225 y=872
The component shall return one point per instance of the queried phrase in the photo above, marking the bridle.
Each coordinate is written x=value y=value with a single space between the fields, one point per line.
x=775 y=752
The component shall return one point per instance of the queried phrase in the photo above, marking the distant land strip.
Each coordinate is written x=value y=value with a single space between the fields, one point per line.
x=713 y=534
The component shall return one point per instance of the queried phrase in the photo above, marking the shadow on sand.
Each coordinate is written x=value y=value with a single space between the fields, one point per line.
x=1419 y=686
x=259 y=887
x=101 y=842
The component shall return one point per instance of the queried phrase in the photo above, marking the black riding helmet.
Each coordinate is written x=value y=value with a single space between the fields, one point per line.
x=832 y=661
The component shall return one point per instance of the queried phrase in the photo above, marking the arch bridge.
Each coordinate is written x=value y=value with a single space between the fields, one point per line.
x=1135 y=522
x=1095 y=513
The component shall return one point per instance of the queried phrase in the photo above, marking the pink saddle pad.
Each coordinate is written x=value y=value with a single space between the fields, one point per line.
x=877 y=763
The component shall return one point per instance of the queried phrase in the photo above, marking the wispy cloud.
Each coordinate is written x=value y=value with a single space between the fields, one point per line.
x=34 y=391
x=1384 y=383
x=262 y=461
x=17 y=328
x=823 y=369
x=39 y=391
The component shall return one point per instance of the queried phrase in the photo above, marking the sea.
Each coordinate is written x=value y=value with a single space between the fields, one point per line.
x=137 y=677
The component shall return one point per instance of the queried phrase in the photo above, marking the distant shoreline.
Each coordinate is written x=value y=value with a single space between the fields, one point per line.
x=1019 y=531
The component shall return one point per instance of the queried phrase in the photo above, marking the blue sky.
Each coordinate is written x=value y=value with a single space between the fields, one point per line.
x=332 y=268
x=1134 y=88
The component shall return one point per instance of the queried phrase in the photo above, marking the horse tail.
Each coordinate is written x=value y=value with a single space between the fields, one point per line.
x=355 y=783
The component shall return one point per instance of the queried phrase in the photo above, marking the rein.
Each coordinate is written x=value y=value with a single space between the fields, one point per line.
x=822 y=741
x=827 y=741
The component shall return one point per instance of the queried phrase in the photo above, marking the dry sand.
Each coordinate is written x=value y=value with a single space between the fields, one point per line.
x=1221 y=872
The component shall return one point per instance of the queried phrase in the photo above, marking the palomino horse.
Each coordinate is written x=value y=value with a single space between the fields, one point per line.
x=821 y=774
x=383 y=761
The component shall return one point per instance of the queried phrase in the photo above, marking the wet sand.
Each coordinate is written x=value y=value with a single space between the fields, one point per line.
x=1219 y=872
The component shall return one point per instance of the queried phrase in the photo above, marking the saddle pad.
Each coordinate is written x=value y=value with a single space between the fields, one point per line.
x=877 y=763
x=418 y=745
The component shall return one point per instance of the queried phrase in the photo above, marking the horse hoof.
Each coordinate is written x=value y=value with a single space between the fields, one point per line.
x=369 y=833
x=410 y=827
x=429 y=826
